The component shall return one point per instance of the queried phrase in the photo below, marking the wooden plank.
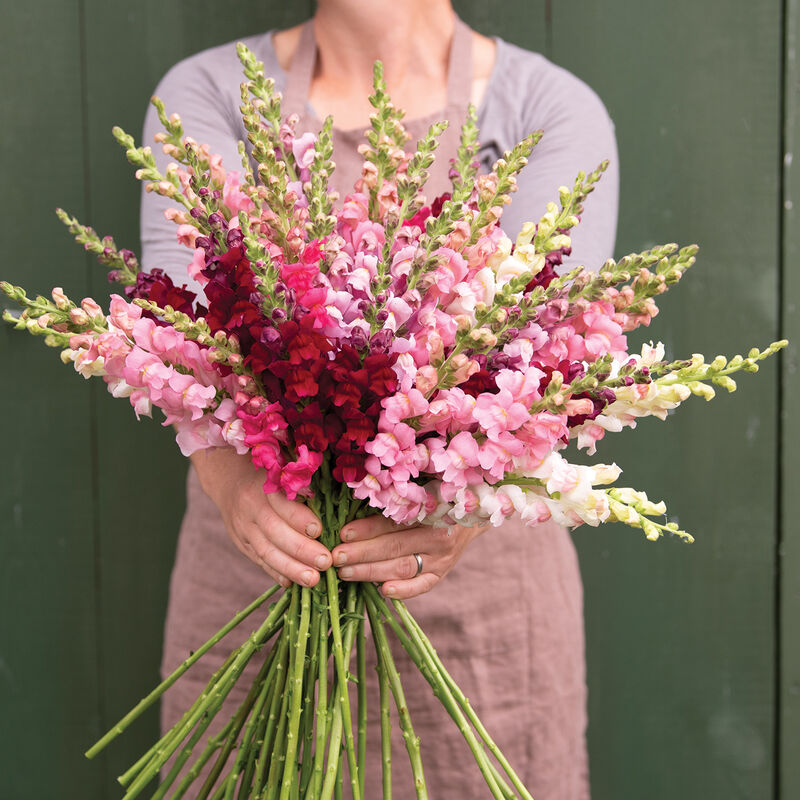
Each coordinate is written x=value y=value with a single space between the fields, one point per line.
x=789 y=608
x=681 y=639
x=48 y=649
x=141 y=472
x=520 y=22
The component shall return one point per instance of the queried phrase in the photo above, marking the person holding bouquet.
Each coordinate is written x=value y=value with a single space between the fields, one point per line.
x=508 y=618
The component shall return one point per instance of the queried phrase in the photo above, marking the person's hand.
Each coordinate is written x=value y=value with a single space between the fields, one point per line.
x=276 y=533
x=378 y=550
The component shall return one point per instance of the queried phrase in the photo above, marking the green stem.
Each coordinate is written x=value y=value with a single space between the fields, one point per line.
x=341 y=683
x=142 y=705
x=322 y=706
x=385 y=657
x=264 y=686
x=334 y=748
x=278 y=754
x=338 y=790
x=386 y=732
x=355 y=608
x=265 y=753
x=309 y=683
x=361 y=661
x=290 y=776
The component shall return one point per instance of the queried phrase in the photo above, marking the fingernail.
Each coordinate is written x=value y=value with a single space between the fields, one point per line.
x=339 y=559
x=346 y=572
x=312 y=529
x=347 y=534
x=322 y=561
x=389 y=590
x=308 y=577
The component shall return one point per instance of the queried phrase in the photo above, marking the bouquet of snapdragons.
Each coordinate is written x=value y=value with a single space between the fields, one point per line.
x=382 y=354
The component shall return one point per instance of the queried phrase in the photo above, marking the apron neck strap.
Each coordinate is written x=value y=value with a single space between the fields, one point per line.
x=301 y=70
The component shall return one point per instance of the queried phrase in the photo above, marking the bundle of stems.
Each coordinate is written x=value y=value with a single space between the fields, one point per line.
x=300 y=734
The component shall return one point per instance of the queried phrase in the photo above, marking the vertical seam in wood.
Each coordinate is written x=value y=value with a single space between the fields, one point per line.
x=782 y=364
x=92 y=410
x=548 y=29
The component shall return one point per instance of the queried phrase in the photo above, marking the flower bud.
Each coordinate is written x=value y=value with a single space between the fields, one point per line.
x=726 y=383
x=650 y=530
x=701 y=389
x=79 y=317
x=59 y=298
x=91 y=307
x=720 y=362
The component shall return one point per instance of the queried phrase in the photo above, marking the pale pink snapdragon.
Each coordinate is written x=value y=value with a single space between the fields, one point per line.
x=497 y=457
x=603 y=335
x=458 y=460
x=403 y=405
x=478 y=288
x=522 y=384
x=449 y=411
x=451 y=269
x=391 y=442
x=499 y=412
x=123 y=315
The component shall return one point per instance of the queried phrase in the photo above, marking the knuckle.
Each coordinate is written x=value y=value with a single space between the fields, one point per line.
x=395 y=547
x=441 y=536
x=298 y=548
x=265 y=519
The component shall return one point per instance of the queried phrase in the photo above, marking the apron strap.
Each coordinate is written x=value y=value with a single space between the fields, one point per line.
x=301 y=70
x=459 y=70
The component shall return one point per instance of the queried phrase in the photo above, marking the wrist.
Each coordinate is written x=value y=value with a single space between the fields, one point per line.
x=220 y=470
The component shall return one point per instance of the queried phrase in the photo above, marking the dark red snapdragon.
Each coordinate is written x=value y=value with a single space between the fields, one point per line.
x=157 y=287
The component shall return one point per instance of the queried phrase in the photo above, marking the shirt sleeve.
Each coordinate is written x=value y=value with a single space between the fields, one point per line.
x=578 y=136
x=201 y=90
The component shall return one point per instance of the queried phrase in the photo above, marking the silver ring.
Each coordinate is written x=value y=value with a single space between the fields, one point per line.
x=418 y=557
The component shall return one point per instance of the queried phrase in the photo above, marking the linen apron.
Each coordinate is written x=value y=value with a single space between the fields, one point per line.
x=507 y=621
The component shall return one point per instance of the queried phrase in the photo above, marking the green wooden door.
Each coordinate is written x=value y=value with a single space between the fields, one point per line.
x=691 y=650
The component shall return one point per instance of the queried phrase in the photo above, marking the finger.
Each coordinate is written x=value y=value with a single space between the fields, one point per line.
x=369 y=527
x=298 y=515
x=382 y=548
x=379 y=571
x=403 y=590
x=273 y=558
x=247 y=550
x=298 y=547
